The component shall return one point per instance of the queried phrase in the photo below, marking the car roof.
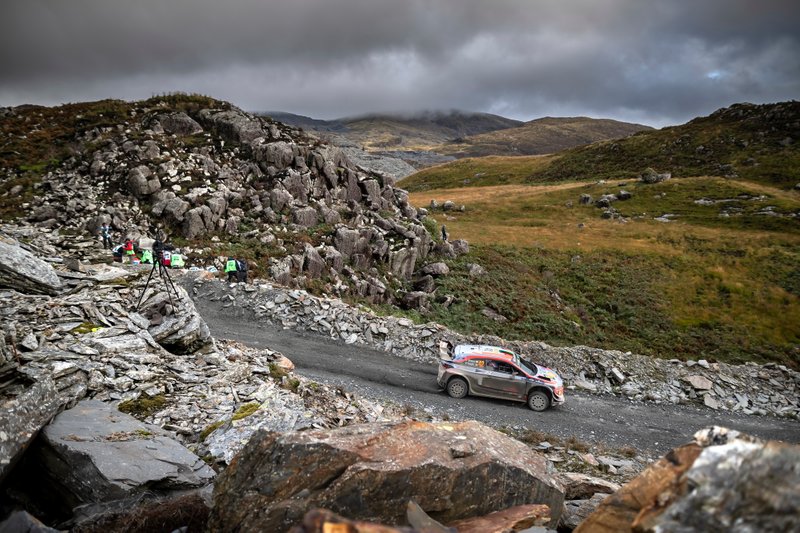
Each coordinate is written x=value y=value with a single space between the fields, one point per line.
x=471 y=351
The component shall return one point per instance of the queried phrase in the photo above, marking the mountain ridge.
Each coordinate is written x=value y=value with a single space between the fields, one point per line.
x=755 y=142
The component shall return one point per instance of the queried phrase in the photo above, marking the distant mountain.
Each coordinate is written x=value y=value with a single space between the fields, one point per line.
x=302 y=121
x=391 y=132
x=541 y=136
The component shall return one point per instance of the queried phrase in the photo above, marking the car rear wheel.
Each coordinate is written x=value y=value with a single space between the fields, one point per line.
x=457 y=388
x=538 y=400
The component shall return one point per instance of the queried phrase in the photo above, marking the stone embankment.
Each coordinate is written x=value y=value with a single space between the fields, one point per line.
x=768 y=389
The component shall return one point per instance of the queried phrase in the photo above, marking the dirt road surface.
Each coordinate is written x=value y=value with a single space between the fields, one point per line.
x=609 y=420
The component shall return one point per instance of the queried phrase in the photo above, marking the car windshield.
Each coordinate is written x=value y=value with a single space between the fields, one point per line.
x=525 y=366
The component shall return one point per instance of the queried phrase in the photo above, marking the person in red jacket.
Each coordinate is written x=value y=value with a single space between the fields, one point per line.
x=127 y=249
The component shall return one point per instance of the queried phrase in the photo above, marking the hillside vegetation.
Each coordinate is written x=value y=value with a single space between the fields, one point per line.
x=721 y=281
x=541 y=136
x=752 y=142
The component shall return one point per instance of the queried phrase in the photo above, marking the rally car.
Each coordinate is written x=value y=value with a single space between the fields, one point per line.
x=496 y=372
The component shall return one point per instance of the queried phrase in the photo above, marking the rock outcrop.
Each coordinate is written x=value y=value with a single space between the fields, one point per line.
x=197 y=171
x=370 y=472
x=723 y=481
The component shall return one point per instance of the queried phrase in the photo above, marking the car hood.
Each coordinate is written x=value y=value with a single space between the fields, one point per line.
x=549 y=375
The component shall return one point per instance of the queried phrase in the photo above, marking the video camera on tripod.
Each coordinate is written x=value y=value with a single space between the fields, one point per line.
x=162 y=257
x=162 y=252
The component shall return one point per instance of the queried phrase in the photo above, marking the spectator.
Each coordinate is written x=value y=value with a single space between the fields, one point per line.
x=241 y=268
x=231 y=270
x=105 y=234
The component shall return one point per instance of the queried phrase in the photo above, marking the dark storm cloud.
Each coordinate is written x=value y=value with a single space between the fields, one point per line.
x=656 y=61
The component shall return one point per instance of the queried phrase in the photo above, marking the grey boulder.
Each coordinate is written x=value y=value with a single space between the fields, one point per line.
x=22 y=271
x=93 y=453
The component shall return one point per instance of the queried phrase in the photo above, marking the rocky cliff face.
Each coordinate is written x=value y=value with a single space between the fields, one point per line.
x=218 y=179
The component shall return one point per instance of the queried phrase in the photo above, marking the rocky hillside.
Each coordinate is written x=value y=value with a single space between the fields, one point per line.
x=218 y=181
x=541 y=136
x=753 y=142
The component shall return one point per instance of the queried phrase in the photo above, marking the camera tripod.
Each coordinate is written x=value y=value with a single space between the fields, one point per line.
x=164 y=273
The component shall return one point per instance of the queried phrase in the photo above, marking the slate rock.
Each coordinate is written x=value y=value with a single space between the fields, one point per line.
x=737 y=484
x=21 y=418
x=618 y=511
x=435 y=269
x=579 y=486
x=576 y=511
x=22 y=271
x=93 y=453
x=650 y=176
x=415 y=300
x=179 y=124
x=22 y=522
x=460 y=246
x=699 y=382
x=518 y=518
x=425 y=284
x=370 y=471
x=402 y=262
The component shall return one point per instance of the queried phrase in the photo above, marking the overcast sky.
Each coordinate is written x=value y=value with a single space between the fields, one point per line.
x=656 y=62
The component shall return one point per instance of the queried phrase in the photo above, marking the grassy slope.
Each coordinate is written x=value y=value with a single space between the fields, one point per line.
x=755 y=143
x=476 y=172
x=542 y=136
x=381 y=132
x=725 y=288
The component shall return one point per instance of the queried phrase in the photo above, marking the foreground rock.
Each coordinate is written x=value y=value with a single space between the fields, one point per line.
x=92 y=453
x=519 y=518
x=370 y=472
x=723 y=481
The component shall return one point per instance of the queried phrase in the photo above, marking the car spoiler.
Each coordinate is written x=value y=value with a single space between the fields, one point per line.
x=445 y=351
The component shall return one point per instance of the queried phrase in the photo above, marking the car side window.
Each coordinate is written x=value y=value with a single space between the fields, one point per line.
x=478 y=363
x=505 y=368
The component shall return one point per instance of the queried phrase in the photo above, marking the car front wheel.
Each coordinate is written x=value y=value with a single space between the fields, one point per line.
x=538 y=400
x=457 y=388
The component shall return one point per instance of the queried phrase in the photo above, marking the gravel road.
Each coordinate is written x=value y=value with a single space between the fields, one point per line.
x=612 y=421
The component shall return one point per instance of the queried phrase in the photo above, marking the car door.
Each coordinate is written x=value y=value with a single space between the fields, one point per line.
x=505 y=382
x=476 y=371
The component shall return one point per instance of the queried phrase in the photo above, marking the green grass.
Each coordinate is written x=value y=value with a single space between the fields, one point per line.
x=646 y=303
x=472 y=172
x=143 y=406
x=723 y=288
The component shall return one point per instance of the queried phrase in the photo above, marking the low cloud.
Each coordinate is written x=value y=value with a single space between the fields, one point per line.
x=649 y=62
